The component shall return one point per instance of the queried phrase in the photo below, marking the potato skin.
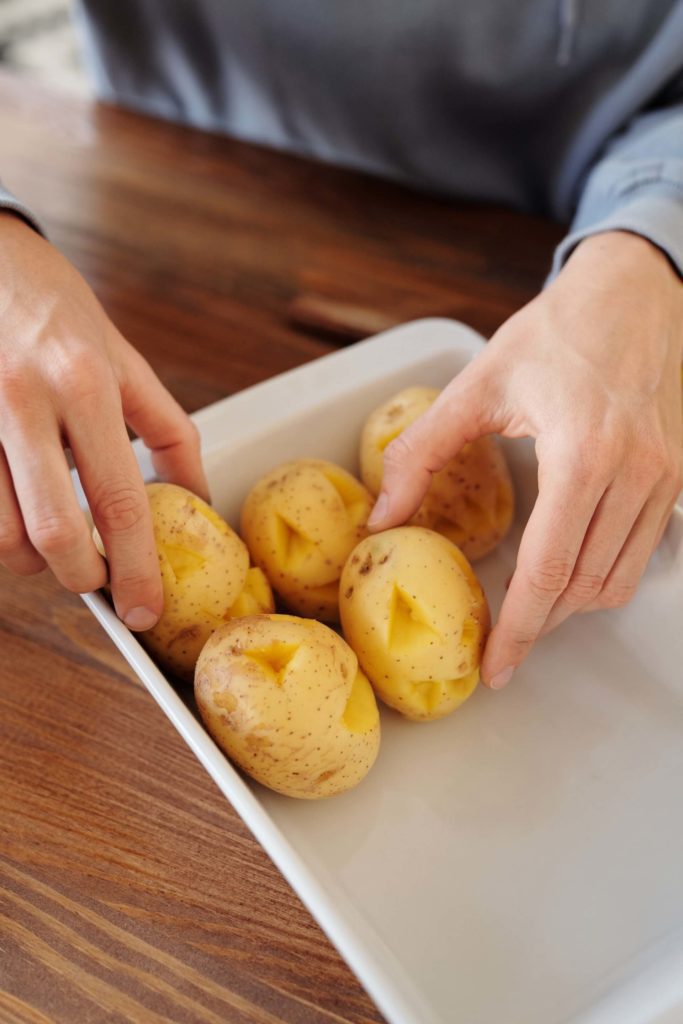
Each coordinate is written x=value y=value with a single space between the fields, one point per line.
x=300 y=523
x=204 y=567
x=414 y=613
x=285 y=699
x=470 y=501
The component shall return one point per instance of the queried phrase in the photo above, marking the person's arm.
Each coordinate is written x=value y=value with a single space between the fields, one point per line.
x=591 y=370
x=636 y=186
x=68 y=378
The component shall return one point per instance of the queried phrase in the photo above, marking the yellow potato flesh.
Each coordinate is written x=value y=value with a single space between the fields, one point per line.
x=204 y=567
x=470 y=501
x=255 y=598
x=285 y=699
x=415 y=615
x=300 y=523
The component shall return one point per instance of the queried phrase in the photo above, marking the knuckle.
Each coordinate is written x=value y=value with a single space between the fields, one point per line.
x=54 y=534
x=17 y=391
x=583 y=588
x=650 y=465
x=192 y=434
x=399 y=451
x=79 y=373
x=519 y=642
x=616 y=595
x=656 y=455
x=590 y=458
x=550 y=577
x=146 y=588
x=119 y=508
x=592 y=454
x=85 y=581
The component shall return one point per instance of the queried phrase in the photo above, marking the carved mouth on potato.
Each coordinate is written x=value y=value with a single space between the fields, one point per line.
x=274 y=660
x=182 y=561
x=360 y=713
x=408 y=624
x=350 y=494
x=294 y=546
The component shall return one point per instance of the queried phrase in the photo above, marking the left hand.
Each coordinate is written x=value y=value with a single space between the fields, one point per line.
x=590 y=369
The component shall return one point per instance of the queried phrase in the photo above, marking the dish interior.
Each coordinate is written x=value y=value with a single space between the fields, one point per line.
x=519 y=861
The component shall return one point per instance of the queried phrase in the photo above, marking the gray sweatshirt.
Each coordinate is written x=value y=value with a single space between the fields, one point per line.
x=572 y=108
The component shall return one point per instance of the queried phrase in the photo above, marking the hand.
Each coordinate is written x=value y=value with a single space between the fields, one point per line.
x=69 y=379
x=591 y=370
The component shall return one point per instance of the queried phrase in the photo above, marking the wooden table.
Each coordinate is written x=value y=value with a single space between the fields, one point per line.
x=129 y=889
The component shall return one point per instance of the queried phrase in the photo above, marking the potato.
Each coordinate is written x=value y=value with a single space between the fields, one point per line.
x=470 y=500
x=285 y=699
x=414 y=613
x=254 y=598
x=205 y=575
x=300 y=523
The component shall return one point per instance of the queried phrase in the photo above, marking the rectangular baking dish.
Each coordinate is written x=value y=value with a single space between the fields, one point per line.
x=520 y=862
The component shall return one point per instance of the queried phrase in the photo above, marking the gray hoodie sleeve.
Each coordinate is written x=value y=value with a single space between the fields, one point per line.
x=637 y=186
x=10 y=202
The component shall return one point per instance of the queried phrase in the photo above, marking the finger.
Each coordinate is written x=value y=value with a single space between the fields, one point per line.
x=567 y=499
x=607 y=533
x=55 y=525
x=460 y=414
x=116 y=495
x=627 y=572
x=16 y=551
x=162 y=424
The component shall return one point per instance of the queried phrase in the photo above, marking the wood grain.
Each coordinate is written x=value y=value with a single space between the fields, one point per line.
x=129 y=889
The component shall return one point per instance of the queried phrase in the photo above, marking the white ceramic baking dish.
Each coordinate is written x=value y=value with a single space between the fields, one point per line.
x=522 y=861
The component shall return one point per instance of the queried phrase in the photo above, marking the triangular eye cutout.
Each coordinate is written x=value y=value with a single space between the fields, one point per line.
x=352 y=495
x=408 y=622
x=182 y=561
x=292 y=544
x=273 y=659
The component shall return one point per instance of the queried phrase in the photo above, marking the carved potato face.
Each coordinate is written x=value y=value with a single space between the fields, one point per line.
x=300 y=523
x=204 y=567
x=414 y=613
x=285 y=699
x=470 y=500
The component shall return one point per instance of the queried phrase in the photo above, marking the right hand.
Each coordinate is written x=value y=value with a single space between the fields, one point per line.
x=68 y=379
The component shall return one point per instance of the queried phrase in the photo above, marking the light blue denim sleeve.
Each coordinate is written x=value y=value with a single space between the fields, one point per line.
x=10 y=202
x=637 y=186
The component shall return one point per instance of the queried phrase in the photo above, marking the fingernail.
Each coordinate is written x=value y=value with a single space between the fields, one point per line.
x=502 y=678
x=379 y=511
x=139 y=619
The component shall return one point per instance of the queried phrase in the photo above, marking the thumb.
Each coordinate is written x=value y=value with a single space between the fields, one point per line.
x=465 y=410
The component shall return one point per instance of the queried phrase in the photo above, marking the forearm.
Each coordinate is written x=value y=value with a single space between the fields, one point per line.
x=636 y=187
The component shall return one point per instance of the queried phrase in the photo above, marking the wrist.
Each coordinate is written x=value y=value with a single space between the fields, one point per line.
x=13 y=223
x=625 y=249
x=621 y=272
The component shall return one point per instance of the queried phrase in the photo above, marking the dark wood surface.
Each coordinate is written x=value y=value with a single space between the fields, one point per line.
x=129 y=889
